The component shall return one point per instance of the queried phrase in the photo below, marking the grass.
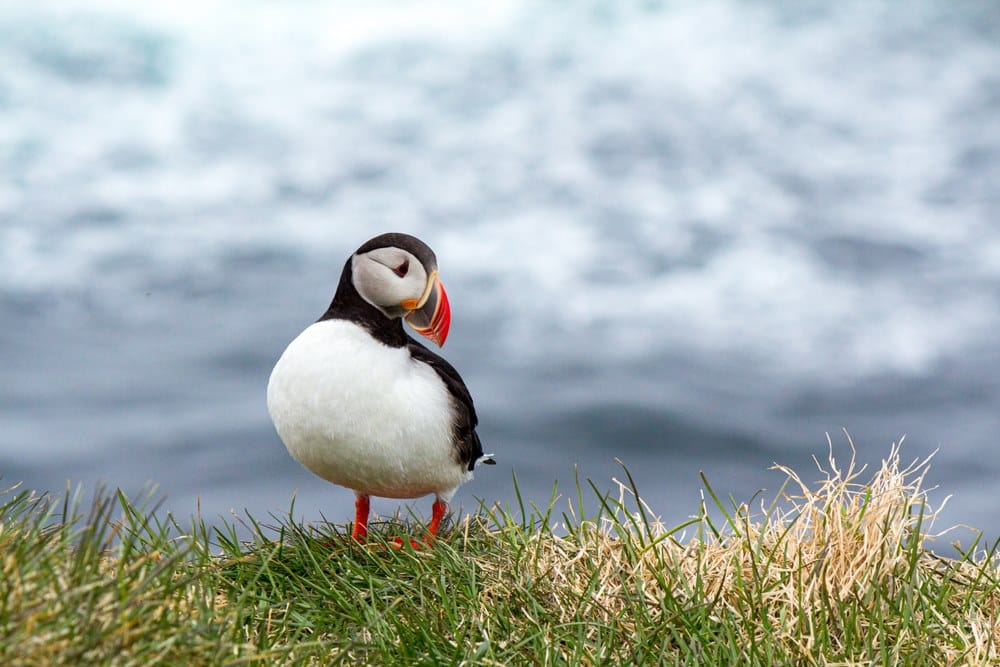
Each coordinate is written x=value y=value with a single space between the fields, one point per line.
x=835 y=572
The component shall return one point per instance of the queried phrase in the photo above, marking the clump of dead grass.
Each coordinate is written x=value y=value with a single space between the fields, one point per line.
x=838 y=569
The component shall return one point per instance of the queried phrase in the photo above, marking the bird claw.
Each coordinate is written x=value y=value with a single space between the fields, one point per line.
x=398 y=542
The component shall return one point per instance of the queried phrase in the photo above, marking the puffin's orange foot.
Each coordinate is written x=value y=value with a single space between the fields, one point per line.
x=398 y=542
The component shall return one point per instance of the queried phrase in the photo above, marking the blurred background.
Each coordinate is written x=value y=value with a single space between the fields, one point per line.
x=697 y=236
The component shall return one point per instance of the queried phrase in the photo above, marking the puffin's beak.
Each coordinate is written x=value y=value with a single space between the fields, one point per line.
x=431 y=316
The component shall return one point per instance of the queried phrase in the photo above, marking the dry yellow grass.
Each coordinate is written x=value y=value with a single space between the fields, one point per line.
x=840 y=542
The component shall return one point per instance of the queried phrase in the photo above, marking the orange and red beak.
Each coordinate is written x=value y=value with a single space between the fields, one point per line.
x=431 y=315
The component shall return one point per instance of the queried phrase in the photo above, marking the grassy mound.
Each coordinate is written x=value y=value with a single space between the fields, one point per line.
x=836 y=572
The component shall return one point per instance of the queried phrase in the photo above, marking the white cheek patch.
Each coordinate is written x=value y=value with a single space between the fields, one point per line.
x=375 y=278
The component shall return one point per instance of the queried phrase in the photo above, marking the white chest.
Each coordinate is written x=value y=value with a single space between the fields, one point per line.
x=364 y=415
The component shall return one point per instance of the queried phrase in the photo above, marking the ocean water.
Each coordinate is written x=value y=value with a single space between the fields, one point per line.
x=695 y=236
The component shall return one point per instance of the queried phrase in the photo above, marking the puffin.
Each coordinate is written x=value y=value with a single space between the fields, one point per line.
x=361 y=404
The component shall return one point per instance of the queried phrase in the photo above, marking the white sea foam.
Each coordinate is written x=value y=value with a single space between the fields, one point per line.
x=715 y=177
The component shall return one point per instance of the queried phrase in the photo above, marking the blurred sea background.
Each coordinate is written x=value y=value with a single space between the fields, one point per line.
x=696 y=236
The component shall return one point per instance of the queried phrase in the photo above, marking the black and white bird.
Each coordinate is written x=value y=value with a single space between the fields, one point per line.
x=361 y=404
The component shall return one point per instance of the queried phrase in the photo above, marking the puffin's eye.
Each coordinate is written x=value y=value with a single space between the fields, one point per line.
x=402 y=268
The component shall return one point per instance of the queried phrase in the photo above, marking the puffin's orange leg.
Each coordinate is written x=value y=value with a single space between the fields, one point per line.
x=437 y=513
x=438 y=510
x=361 y=507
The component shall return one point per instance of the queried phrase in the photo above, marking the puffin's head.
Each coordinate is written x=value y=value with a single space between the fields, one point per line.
x=397 y=273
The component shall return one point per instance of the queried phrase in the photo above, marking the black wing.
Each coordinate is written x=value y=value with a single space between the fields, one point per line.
x=466 y=439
